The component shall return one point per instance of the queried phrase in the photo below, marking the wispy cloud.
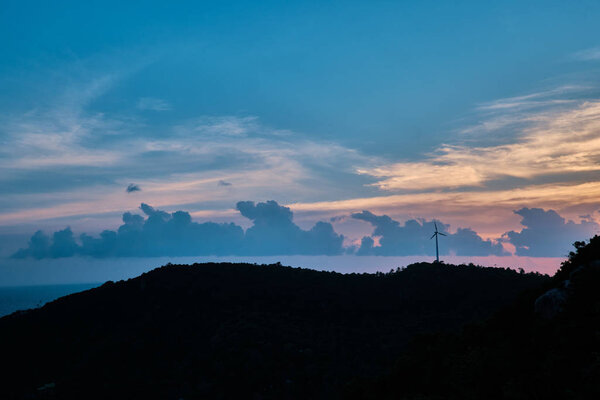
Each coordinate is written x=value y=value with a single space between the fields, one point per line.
x=61 y=135
x=93 y=155
x=222 y=126
x=550 y=142
x=542 y=98
x=153 y=104
x=588 y=54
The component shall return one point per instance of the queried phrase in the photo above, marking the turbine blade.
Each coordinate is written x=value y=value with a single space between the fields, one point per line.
x=443 y=234
x=432 y=236
x=435 y=226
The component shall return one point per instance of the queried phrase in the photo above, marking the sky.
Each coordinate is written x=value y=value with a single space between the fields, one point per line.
x=298 y=128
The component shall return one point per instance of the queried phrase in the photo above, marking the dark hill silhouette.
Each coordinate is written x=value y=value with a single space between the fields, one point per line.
x=241 y=330
x=546 y=346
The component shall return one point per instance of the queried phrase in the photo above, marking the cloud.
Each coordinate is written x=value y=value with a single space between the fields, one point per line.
x=338 y=218
x=539 y=99
x=159 y=234
x=59 y=132
x=493 y=209
x=222 y=126
x=86 y=153
x=58 y=138
x=273 y=232
x=175 y=234
x=547 y=144
x=547 y=234
x=549 y=159
x=41 y=246
x=132 y=187
x=590 y=54
x=412 y=238
x=64 y=153
x=152 y=104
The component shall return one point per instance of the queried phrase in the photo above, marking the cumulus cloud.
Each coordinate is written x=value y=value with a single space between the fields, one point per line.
x=274 y=232
x=160 y=233
x=547 y=234
x=412 y=238
x=40 y=246
x=132 y=187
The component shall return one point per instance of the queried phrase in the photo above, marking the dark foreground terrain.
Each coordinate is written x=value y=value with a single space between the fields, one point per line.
x=545 y=346
x=268 y=331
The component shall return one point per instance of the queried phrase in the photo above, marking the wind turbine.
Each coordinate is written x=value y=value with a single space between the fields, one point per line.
x=436 y=234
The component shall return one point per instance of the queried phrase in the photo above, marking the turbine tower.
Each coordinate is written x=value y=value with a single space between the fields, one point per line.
x=436 y=234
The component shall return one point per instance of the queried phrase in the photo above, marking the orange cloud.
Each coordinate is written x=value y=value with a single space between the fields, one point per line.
x=553 y=143
x=489 y=212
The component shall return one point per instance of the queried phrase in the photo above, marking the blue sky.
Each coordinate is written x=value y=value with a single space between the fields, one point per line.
x=464 y=112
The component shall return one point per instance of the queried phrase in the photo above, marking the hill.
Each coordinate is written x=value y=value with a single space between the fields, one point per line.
x=545 y=346
x=241 y=330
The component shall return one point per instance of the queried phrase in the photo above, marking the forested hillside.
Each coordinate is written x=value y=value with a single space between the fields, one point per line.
x=241 y=330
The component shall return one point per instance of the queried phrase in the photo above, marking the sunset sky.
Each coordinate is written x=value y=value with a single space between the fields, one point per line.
x=482 y=116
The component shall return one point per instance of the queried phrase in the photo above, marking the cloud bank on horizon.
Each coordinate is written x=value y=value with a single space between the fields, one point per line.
x=273 y=232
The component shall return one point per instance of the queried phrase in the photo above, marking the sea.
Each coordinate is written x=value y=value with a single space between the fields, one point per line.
x=15 y=298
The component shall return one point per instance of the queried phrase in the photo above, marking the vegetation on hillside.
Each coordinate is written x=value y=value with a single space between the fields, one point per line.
x=241 y=330
x=546 y=346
